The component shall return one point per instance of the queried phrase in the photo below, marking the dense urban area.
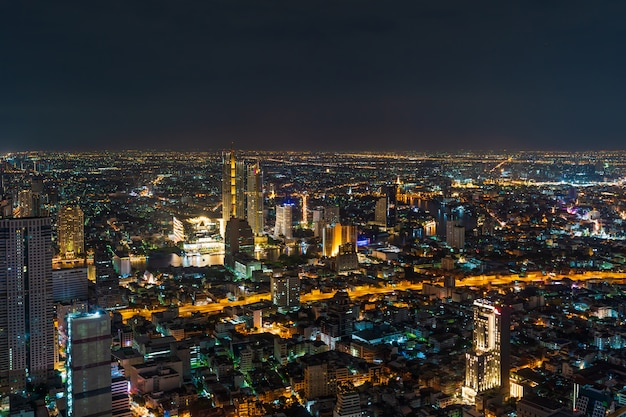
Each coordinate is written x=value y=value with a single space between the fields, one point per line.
x=240 y=283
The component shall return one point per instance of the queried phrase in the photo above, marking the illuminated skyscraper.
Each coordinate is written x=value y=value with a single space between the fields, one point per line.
x=333 y=237
x=26 y=308
x=88 y=365
x=283 y=225
x=233 y=183
x=71 y=231
x=255 y=199
x=487 y=366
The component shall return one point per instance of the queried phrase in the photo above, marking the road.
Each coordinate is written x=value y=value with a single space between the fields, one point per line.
x=474 y=281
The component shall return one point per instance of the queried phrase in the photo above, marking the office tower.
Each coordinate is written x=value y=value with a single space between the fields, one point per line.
x=69 y=285
x=71 y=232
x=487 y=366
x=455 y=234
x=26 y=308
x=283 y=225
x=348 y=405
x=38 y=196
x=233 y=182
x=335 y=236
x=88 y=365
x=380 y=212
x=238 y=238
x=285 y=291
x=255 y=199
x=25 y=203
x=107 y=281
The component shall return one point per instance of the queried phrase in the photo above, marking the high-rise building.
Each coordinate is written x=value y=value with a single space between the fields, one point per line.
x=26 y=308
x=178 y=230
x=233 y=183
x=285 y=291
x=333 y=237
x=107 y=280
x=25 y=203
x=348 y=405
x=254 y=201
x=283 y=225
x=71 y=232
x=487 y=366
x=385 y=209
x=455 y=234
x=380 y=212
x=69 y=285
x=238 y=237
x=88 y=365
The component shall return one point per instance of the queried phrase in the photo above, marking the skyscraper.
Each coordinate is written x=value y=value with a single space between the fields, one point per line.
x=255 y=199
x=71 y=231
x=25 y=203
x=26 y=308
x=487 y=366
x=233 y=182
x=88 y=365
x=385 y=210
x=283 y=226
x=107 y=280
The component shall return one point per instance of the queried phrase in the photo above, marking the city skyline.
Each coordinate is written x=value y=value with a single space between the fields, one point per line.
x=321 y=77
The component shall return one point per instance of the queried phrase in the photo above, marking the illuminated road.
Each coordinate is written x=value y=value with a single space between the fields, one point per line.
x=475 y=281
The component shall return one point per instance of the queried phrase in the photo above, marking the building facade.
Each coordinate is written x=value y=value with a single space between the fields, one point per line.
x=26 y=307
x=88 y=366
x=254 y=202
x=71 y=232
x=487 y=366
x=233 y=183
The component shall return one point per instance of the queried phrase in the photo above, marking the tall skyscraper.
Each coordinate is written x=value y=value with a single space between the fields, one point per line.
x=107 y=280
x=233 y=183
x=487 y=366
x=26 y=308
x=88 y=365
x=255 y=199
x=25 y=203
x=283 y=226
x=71 y=232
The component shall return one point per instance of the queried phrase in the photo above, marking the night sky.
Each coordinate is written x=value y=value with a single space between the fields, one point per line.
x=317 y=75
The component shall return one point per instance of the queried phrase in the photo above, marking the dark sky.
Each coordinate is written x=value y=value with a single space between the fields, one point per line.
x=313 y=74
